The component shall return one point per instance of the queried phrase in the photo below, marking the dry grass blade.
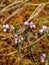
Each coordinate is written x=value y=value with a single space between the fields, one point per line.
x=37 y=4
x=10 y=6
x=16 y=11
x=33 y=4
x=47 y=3
x=37 y=11
x=2 y=1
x=12 y=52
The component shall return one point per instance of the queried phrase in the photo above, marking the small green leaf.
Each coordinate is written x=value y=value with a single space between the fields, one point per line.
x=48 y=55
x=47 y=32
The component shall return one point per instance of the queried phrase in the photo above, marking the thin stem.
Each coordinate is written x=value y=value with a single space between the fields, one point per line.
x=19 y=46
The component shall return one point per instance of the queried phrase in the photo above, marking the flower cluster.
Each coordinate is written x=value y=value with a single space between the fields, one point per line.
x=18 y=38
x=6 y=27
x=42 y=29
x=43 y=56
x=30 y=24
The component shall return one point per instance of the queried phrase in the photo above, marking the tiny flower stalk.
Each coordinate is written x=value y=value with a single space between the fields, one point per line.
x=18 y=40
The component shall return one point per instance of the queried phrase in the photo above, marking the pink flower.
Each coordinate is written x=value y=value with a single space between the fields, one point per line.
x=4 y=30
x=18 y=39
x=15 y=35
x=42 y=60
x=30 y=24
x=5 y=27
x=43 y=29
x=26 y=23
x=43 y=57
